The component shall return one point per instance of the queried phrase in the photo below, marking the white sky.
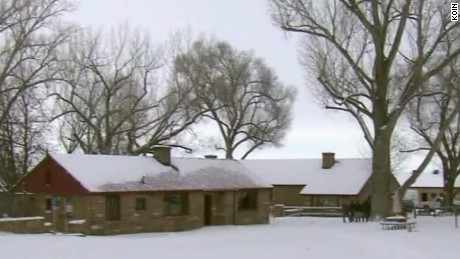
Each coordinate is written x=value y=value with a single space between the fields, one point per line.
x=247 y=26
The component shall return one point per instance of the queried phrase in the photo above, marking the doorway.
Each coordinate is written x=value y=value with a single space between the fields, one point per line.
x=207 y=210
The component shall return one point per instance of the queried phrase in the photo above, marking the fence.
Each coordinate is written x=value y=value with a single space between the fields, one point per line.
x=305 y=211
x=439 y=212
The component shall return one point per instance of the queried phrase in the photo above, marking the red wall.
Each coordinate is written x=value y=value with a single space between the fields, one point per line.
x=62 y=183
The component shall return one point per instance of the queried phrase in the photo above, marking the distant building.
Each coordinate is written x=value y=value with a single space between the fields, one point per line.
x=428 y=188
x=316 y=182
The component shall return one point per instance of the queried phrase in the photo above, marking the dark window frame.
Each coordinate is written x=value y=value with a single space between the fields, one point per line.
x=112 y=208
x=424 y=196
x=48 y=178
x=69 y=206
x=48 y=204
x=140 y=203
x=170 y=201
x=248 y=200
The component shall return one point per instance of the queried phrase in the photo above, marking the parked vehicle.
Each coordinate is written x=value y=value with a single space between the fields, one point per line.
x=429 y=205
x=408 y=205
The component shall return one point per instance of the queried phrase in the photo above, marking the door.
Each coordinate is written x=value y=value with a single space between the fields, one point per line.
x=207 y=210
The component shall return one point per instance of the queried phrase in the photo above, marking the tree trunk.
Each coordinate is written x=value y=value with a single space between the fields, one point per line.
x=228 y=154
x=448 y=192
x=397 y=203
x=381 y=177
x=228 y=148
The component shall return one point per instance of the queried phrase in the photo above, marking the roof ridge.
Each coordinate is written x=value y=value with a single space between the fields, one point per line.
x=268 y=159
x=204 y=158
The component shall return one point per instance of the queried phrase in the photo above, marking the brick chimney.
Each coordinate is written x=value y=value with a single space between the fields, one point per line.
x=162 y=154
x=210 y=156
x=328 y=159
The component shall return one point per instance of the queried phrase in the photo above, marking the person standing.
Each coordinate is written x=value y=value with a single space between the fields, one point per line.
x=367 y=210
x=358 y=212
x=345 y=212
x=351 y=211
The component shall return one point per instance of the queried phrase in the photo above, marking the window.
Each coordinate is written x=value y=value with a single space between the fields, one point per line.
x=175 y=204
x=112 y=208
x=424 y=196
x=248 y=200
x=68 y=206
x=52 y=203
x=141 y=204
x=48 y=178
x=322 y=201
x=340 y=201
x=48 y=204
x=319 y=201
x=433 y=196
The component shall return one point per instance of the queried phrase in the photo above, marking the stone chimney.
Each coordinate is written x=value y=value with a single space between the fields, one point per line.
x=328 y=159
x=162 y=154
x=210 y=156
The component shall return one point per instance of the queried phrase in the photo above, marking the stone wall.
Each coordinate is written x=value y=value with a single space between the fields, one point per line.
x=92 y=209
x=80 y=209
x=17 y=205
x=330 y=200
x=259 y=216
x=288 y=195
x=152 y=219
x=277 y=210
x=31 y=225
x=4 y=203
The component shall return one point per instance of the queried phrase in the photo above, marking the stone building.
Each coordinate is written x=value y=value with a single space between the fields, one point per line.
x=316 y=182
x=428 y=189
x=106 y=194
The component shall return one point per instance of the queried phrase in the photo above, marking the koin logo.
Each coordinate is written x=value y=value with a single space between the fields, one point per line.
x=454 y=12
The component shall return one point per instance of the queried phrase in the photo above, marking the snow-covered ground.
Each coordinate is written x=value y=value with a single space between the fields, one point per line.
x=285 y=238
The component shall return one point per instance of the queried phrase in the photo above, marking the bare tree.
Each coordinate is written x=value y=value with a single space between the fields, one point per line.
x=30 y=33
x=112 y=102
x=29 y=38
x=437 y=119
x=238 y=92
x=371 y=58
x=23 y=137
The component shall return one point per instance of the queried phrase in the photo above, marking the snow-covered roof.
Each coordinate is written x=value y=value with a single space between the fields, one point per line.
x=93 y=171
x=346 y=177
x=218 y=172
x=110 y=173
x=428 y=179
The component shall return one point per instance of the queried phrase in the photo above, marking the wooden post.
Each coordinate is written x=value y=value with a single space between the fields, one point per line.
x=64 y=205
x=456 y=217
x=235 y=207
x=54 y=210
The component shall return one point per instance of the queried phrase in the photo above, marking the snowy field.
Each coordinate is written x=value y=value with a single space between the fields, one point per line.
x=285 y=238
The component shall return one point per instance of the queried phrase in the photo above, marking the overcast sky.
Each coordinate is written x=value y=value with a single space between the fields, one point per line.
x=247 y=26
